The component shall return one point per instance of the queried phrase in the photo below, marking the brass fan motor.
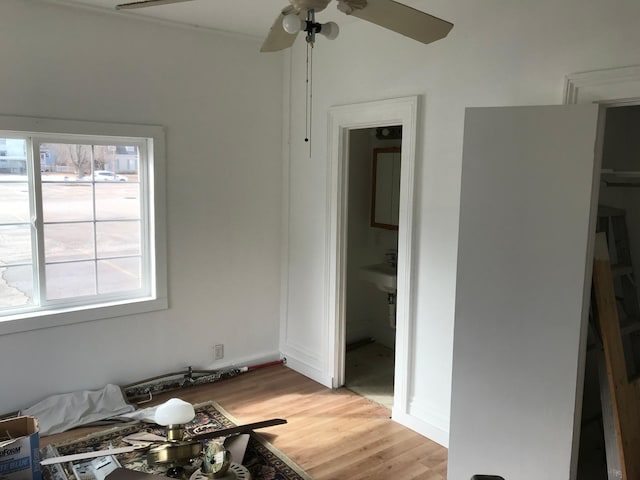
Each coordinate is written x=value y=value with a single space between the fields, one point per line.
x=176 y=451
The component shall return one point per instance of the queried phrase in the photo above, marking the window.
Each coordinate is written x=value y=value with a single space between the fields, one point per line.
x=81 y=227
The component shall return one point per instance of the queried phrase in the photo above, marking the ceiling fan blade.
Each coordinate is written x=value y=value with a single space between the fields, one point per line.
x=147 y=3
x=87 y=455
x=405 y=20
x=278 y=39
x=247 y=428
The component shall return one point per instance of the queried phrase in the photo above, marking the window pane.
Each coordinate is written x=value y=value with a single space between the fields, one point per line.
x=53 y=165
x=73 y=241
x=65 y=161
x=13 y=159
x=16 y=286
x=16 y=282
x=117 y=201
x=15 y=244
x=67 y=201
x=125 y=161
x=114 y=239
x=119 y=275
x=70 y=280
x=14 y=202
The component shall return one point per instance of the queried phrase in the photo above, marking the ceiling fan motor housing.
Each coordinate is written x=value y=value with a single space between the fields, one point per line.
x=305 y=5
x=348 y=6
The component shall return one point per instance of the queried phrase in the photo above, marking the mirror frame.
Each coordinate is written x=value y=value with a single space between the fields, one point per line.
x=374 y=171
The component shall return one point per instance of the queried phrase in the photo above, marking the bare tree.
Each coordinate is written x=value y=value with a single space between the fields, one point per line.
x=102 y=158
x=80 y=157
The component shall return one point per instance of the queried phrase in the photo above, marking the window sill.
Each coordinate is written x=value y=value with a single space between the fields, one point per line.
x=67 y=316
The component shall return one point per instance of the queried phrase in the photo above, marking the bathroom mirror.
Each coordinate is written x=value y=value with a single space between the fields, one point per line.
x=385 y=188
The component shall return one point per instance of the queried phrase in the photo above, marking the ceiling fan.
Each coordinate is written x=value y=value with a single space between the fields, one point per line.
x=300 y=16
x=178 y=451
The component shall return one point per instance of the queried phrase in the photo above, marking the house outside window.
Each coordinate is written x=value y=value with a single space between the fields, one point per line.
x=80 y=239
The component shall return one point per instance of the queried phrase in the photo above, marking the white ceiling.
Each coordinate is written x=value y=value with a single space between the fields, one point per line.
x=249 y=17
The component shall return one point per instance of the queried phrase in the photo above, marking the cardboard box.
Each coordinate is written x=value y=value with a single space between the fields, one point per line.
x=19 y=449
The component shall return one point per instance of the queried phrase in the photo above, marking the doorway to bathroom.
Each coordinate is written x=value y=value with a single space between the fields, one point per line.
x=374 y=164
x=364 y=119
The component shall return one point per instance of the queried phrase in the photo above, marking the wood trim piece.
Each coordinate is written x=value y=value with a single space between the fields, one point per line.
x=625 y=395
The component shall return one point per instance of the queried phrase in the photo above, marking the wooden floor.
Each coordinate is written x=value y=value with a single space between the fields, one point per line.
x=331 y=434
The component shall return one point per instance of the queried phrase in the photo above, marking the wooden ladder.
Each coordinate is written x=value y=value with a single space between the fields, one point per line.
x=620 y=392
x=613 y=223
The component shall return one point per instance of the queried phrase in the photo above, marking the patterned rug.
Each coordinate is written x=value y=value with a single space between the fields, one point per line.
x=262 y=459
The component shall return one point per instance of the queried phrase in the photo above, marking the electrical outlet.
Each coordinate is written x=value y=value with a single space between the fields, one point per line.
x=218 y=351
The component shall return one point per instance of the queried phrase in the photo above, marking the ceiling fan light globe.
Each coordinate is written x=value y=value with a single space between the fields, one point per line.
x=330 y=30
x=292 y=23
x=174 y=412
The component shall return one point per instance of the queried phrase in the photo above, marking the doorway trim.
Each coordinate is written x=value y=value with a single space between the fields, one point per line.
x=342 y=119
x=609 y=87
x=602 y=85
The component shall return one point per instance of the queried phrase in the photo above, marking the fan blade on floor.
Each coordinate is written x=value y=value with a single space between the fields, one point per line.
x=94 y=454
x=147 y=3
x=278 y=38
x=223 y=432
x=405 y=20
x=247 y=428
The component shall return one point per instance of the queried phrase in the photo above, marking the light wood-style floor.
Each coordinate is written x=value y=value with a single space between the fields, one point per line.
x=331 y=434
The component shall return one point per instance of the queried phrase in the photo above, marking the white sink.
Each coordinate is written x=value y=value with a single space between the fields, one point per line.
x=382 y=275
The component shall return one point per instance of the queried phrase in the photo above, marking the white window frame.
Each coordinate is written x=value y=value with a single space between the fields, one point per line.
x=153 y=191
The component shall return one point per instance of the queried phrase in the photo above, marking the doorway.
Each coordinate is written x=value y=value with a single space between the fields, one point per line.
x=617 y=189
x=618 y=217
x=508 y=362
x=374 y=166
x=342 y=121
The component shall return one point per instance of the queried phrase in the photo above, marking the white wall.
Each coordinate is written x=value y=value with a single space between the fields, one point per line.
x=221 y=104
x=499 y=53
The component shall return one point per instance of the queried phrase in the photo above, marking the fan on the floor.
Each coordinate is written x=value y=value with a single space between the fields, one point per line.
x=300 y=16
x=176 y=450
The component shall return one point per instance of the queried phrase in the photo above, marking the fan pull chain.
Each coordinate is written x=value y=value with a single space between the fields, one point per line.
x=309 y=95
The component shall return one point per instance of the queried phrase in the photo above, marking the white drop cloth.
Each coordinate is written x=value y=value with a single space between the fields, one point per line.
x=144 y=414
x=59 y=413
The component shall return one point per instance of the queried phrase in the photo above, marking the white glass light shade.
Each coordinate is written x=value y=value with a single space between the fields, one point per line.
x=292 y=23
x=174 y=412
x=330 y=30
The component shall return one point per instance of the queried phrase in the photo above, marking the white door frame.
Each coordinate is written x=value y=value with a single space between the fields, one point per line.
x=343 y=119
x=610 y=87
x=609 y=84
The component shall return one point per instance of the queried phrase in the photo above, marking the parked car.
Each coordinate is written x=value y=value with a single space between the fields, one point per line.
x=105 y=176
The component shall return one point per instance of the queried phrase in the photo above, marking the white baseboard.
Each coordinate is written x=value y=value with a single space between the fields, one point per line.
x=258 y=359
x=307 y=370
x=426 y=425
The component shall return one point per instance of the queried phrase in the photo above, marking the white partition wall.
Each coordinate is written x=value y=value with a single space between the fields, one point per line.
x=524 y=266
